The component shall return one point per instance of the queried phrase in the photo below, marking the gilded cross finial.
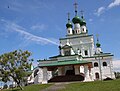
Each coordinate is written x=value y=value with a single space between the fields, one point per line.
x=82 y=13
x=97 y=35
x=68 y=17
x=75 y=4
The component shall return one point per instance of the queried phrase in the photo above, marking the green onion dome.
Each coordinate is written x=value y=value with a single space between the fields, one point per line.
x=76 y=19
x=82 y=21
x=69 y=25
x=98 y=44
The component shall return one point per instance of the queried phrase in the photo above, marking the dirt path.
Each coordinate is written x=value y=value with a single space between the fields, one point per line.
x=56 y=86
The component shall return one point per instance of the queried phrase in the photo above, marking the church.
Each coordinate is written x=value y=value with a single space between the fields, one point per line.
x=79 y=59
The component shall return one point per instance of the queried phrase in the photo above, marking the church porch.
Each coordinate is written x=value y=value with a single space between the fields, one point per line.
x=66 y=71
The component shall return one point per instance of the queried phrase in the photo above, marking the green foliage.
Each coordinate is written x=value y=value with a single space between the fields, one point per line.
x=15 y=65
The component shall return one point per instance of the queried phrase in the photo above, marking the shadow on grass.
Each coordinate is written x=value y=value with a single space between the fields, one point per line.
x=14 y=89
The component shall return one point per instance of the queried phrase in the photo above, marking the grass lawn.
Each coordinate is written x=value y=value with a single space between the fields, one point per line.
x=31 y=88
x=113 y=85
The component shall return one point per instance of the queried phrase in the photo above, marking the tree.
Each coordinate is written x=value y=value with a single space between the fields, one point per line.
x=15 y=65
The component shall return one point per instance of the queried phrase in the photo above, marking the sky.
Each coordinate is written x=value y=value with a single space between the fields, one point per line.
x=37 y=25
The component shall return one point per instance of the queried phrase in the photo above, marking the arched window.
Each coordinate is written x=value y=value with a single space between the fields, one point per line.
x=86 y=52
x=76 y=31
x=67 y=52
x=68 y=31
x=83 y=29
x=104 y=64
x=95 y=64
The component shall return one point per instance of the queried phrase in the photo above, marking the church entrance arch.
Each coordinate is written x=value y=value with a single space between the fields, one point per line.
x=70 y=70
x=97 y=75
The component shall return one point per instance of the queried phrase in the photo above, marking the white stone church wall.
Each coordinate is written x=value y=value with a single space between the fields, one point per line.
x=105 y=70
x=82 y=43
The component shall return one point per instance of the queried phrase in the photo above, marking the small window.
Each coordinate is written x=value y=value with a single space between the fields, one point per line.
x=68 y=31
x=76 y=31
x=83 y=29
x=86 y=52
x=73 y=32
x=67 y=52
x=104 y=64
x=95 y=64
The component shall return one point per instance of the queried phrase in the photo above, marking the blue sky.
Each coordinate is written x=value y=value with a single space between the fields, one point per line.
x=37 y=25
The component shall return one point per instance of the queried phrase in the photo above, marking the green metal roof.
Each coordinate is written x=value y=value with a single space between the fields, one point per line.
x=63 y=63
x=69 y=25
x=76 y=19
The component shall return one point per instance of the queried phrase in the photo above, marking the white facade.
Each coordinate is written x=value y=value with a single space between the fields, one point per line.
x=78 y=54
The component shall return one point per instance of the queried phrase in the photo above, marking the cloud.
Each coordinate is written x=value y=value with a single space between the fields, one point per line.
x=113 y=4
x=38 y=27
x=116 y=65
x=100 y=11
x=90 y=20
x=11 y=26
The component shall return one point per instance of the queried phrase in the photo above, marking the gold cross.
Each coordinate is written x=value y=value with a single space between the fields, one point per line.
x=75 y=4
x=82 y=12
x=97 y=35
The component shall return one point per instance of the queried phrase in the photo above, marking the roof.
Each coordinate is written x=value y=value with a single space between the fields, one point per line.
x=96 y=55
x=66 y=46
x=69 y=25
x=75 y=37
x=64 y=63
x=62 y=56
x=76 y=19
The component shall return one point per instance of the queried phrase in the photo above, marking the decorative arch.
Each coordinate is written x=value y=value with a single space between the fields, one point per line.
x=95 y=64
x=35 y=72
x=67 y=50
x=104 y=63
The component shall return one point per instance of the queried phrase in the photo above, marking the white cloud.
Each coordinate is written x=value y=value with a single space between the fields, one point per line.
x=90 y=20
x=116 y=65
x=113 y=4
x=28 y=36
x=103 y=9
x=100 y=11
x=38 y=27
